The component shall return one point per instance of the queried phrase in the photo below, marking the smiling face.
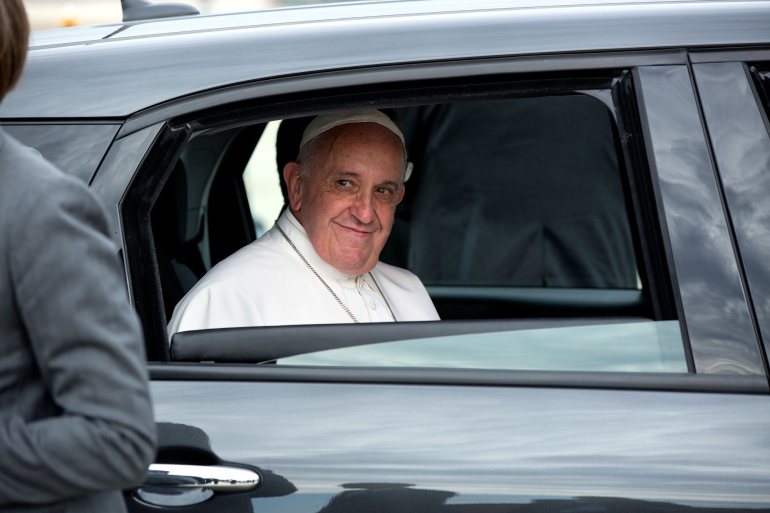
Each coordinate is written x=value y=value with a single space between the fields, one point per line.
x=345 y=193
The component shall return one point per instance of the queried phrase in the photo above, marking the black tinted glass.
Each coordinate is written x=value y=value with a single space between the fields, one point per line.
x=524 y=192
x=739 y=134
x=75 y=149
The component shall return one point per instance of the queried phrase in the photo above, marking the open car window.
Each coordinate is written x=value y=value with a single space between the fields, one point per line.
x=537 y=179
x=522 y=210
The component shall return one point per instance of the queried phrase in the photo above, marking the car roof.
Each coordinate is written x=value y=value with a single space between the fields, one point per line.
x=116 y=70
x=305 y=14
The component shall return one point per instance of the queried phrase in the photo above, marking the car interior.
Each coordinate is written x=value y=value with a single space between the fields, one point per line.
x=520 y=208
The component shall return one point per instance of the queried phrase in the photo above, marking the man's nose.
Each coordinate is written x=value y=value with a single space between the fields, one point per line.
x=363 y=207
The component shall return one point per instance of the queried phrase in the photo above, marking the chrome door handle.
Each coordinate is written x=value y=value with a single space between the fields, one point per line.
x=169 y=485
x=214 y=478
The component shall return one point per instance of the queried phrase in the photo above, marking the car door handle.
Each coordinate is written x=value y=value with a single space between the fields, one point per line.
x=215 y=478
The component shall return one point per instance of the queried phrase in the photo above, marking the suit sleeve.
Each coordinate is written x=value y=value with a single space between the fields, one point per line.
x=87 y=344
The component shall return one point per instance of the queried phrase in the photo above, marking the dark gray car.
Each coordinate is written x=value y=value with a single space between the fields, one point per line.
x=589 y=212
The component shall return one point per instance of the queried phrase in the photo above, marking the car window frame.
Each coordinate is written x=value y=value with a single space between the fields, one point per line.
x=271 y=107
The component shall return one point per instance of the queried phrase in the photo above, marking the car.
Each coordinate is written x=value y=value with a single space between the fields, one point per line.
x=588 y=211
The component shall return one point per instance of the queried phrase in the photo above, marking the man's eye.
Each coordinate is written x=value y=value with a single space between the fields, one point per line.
x=386 y=195
x=344 y=183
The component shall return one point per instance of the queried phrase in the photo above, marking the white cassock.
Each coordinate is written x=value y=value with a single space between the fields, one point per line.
x=267 y=284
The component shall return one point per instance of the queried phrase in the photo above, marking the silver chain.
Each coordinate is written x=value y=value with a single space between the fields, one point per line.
x=335 y=296
x=382 y=295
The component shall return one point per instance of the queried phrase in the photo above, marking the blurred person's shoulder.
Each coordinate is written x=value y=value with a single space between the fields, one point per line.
x=24 y=165
x=29 y=183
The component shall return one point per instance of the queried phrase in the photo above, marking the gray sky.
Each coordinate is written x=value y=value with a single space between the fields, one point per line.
x=55 y=13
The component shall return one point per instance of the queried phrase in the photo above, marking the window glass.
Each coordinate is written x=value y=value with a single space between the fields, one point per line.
x=743 y=158
x=623 y=347
x=75 y=149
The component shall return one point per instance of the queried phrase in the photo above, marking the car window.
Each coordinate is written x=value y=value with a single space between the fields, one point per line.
x=538 y=179
x=75 y=149
x=517 y=208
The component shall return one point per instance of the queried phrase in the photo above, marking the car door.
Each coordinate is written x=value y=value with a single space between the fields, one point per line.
x=658 y=407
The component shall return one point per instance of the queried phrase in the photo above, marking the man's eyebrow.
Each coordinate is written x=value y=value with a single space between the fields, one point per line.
x=355 y=174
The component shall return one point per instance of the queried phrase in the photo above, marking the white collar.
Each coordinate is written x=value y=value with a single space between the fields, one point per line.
x=296 y=232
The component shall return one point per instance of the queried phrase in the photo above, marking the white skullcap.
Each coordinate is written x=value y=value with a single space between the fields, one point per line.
x=325 y=122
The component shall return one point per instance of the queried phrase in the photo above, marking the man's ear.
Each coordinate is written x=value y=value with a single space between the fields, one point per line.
x=293 y=178
x=401 y=191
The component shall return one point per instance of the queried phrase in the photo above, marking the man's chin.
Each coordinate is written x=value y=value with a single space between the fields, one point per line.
x=353 y=266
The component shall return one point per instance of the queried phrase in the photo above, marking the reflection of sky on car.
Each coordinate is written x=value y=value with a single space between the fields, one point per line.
x=742 y=156
x=563 y=442
x=623 y=347
x=709 y=279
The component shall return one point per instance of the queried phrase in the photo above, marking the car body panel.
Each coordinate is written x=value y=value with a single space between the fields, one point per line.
x=79 y=34
x=152 y=74
x=488 y=446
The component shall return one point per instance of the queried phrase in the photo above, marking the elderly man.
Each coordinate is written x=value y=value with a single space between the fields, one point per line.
x=319 y=263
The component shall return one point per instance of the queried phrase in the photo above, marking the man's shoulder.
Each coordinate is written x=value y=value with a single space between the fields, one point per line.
x=28 y=180
x=231 y=292
x=22 y=164
x=37 y=197
x=253 y=262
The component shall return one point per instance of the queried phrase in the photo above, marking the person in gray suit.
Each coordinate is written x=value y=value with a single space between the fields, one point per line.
x=76 y=422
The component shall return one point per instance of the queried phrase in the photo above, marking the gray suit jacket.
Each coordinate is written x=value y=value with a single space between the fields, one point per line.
x=75 y=415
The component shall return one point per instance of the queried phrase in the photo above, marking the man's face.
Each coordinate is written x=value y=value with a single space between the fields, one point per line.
x=348 y=196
